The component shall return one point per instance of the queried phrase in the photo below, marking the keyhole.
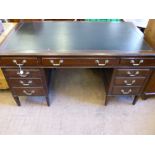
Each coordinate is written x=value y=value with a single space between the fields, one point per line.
x=21 y=72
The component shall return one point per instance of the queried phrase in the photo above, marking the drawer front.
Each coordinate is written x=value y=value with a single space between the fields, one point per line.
x=125 y=90
x=15 y=61
x=132 y=72
x=28 y=91
x=96 y=62
x=150 y=87
x=25 y=82
x=135 y=62
x=126 y=81
x=28 y=73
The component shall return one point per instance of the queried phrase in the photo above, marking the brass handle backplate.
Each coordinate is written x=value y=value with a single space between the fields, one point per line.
x=102 y=64
x=28 y=93
x=133 y=74
x=136 y=64
x=129 y=84
x=126 y=92
x=56 y=64
x=26 y=84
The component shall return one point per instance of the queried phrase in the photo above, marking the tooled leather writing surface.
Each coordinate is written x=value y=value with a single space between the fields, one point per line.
x=75 y=37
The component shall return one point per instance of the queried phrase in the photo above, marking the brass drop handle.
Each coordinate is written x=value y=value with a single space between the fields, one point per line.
x=126 y=93
x=129 y=84
x=131 y=74
x=102 y=64
x=28 y=93
x=20 y=65
x=26 y=84
x=56 y=64
x=136 y=64
x=23 y=75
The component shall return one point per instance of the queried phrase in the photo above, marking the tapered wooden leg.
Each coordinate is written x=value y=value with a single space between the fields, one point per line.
x=47 y=100
x=135 y=100
x=106 y=100
x=16 y=98
x=144 y=97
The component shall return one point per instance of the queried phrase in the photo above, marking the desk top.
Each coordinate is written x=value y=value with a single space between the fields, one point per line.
x=8 y=27
x=75 y=38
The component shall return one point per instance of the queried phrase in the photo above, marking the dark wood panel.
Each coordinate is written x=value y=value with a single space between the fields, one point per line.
x=107 y=78
x=98 y=62
x=137 y=61
x=120 y=83
x=28 y=73
x=39 y=20
x=119 y=90
x=28 y=91
x=150 y=87
x=129 y=81
x=132 y=72
x=26 y=82
x=33 y=84
x=14 y=61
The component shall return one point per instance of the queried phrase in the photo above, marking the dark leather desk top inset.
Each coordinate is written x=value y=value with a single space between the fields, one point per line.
x=75 y=38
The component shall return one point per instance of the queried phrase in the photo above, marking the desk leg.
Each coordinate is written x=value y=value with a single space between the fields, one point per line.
x=135 y=100
x=106 y=100
x=47 y=100
x=144 y=97
x=16 y=98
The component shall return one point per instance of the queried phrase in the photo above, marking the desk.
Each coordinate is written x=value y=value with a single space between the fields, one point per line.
x=119 y=48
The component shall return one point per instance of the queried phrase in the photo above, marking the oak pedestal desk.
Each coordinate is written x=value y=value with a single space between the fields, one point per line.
x=36 y=47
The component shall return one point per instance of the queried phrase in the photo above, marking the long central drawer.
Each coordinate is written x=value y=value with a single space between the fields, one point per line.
x=84 y=61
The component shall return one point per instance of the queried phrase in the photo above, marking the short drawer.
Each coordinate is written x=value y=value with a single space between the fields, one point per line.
x=28 y=91
x=129 y=81
x=137 y=62
x=96 y=62
x=119 y=90
x=28 y=73
x=15 y=61
x=26 y=82
x=132 y=72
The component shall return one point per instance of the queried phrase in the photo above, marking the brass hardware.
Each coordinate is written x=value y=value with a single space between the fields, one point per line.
x=126 y=93
x=102 y=64
x=130 y=74
x=129 y=84
x=26 y=84
x=56 y=64
x=23 y=75
x=136 y=64
x=28 y=93
x=20 y=65
x=23 y=62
